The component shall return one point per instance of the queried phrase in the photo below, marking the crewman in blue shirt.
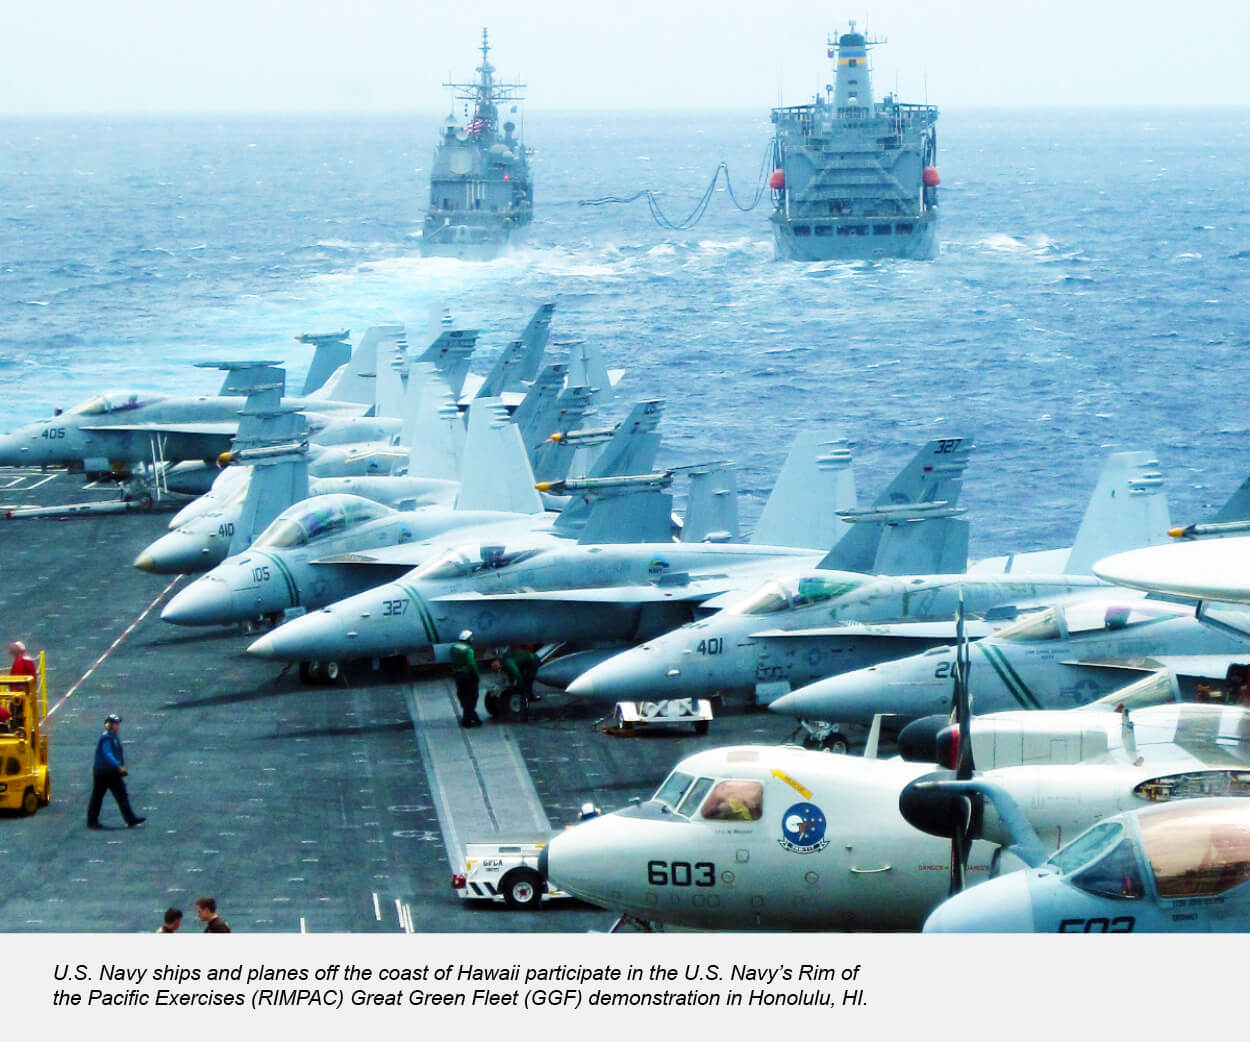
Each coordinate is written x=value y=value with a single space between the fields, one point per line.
x=109 y=770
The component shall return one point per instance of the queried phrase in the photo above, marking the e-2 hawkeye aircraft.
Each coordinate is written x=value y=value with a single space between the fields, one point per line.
x=782 y=838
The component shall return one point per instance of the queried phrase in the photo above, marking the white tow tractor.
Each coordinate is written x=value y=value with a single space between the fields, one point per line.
x=505 y=869
x=668 y=712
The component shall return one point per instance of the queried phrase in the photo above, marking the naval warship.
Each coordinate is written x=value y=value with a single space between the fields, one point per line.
x=480 y=191
x=854 y=179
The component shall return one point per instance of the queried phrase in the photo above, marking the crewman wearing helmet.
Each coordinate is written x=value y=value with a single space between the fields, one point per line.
x=464 y=671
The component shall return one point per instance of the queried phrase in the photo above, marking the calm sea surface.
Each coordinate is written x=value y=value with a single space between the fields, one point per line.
x=1090 y=293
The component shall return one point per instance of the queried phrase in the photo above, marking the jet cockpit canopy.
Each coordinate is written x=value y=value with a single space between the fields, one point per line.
x=317 y=518
x=1088 y=616
x=113 y=401
x=788 y=594
x=466 y=560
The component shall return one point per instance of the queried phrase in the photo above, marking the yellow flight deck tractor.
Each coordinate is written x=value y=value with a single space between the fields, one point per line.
x=25 y=783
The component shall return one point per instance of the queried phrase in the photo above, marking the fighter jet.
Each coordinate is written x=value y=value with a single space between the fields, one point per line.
x=117 y=429
x=781 y=838
x=799 y=628
x=516 y=591
x=1064 y=656
x=318 y=551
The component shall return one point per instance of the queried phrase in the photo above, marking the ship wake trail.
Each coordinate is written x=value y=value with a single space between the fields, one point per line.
x=700 y=208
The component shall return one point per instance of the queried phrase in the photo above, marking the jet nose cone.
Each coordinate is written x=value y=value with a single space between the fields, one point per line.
x=313 y=637
x=182 y=553
x=200 y=604
x=632 y=675
x=849 y=698
x=1002 y=905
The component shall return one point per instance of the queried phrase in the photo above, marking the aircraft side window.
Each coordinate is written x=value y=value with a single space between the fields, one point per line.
x=1115 y=874
x=694 y=796
x=735 y=801
x=1196 y=853
x=283 y=532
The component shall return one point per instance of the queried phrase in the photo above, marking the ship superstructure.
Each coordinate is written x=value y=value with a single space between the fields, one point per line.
x=480 y=190
x=854 y=179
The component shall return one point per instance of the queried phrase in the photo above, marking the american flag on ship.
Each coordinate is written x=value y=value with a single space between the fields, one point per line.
x=478 y=126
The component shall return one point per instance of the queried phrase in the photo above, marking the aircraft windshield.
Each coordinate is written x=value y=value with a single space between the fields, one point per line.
x=673 y=789
x=317 y=518
x=468 y=560
x=114 y=401
x=1091 y=844
x=1115 y=874
x=780 y=595
x=1197 y=851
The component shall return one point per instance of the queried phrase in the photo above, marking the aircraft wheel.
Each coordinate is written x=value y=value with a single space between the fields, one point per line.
x=307 y=674
x=30 y=801
x=522 y=888
x=836 y=743
x=701 y=726
x=515 y=705
x=491 y=703
x=333 y=672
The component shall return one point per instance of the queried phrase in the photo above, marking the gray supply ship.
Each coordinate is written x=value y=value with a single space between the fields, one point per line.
x=854 y=179
x=480 y=191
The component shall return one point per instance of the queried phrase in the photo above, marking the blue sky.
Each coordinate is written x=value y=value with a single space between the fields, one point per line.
x=393 y=55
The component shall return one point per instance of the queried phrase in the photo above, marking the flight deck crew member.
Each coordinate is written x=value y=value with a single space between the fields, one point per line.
x=23 y=664
x=109 y=769
x=464 y=670
x=520 y=666
x=206 y=911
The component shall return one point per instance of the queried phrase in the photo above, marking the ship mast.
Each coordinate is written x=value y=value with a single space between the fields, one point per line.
x=485 y=93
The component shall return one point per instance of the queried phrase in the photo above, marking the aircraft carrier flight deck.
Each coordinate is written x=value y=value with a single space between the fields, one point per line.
x=300 y=808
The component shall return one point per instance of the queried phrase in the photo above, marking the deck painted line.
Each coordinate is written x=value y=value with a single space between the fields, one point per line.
x=377 y=910
x=477 y=777
x=112 y=647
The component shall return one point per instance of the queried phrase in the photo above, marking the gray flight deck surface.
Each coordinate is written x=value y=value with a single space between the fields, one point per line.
x=328 y=809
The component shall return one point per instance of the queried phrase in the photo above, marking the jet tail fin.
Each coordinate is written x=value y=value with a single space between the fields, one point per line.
x=915 y=512
x=496 y=474
x=354 y=382
x=1128 y=510
x=534 y=340
x=433 y=428
x=1236 y=509
x=933 y=546
x=503 y=374
x=277 y=481
x=389 y=381
x=622 y=517
x=553 y=460
x=450 y=354
x=816 y=481
x=712 y=506
x=587 y=368
x=633 y=447
x=330 y=351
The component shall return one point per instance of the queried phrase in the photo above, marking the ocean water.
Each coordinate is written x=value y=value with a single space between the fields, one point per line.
x=1090 y=293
